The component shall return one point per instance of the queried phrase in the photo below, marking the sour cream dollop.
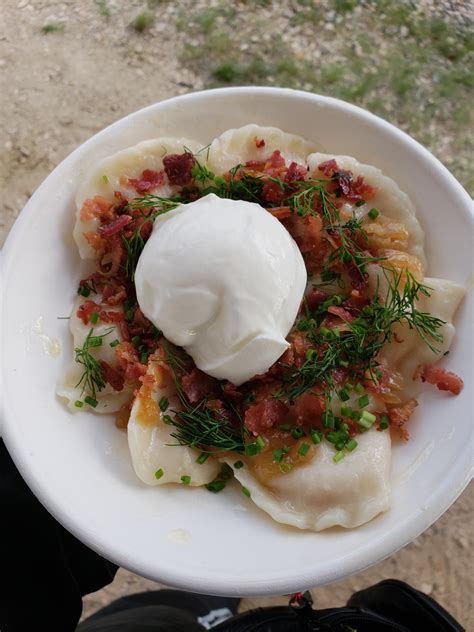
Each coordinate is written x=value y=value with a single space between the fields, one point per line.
x=223 y=279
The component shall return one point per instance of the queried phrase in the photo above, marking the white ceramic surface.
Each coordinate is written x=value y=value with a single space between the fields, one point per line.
x=79 y=466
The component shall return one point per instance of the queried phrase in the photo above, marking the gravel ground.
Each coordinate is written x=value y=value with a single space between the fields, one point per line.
x=60 y=87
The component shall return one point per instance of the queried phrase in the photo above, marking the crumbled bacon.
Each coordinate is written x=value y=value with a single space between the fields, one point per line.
x=276 y=163
x=307 y=410
x=353 y=189
x=314 y=298
x=443 y=379
x=306 y=231
x=197 y=385
x=280 y=212
x=259 y=143
x=272 y=192
x=400 y=415
x=112 y=376
x=86 y=309
x=178 y=168
x=344 y=314
x=96 y=207
x=148 y=181
x=328 y=167
x=129 y=362
x=115 y=226
x=295 y=172
x=113 y=295
x=265 y=415
x=359 y=280
x=110 y=262
x=95 y=240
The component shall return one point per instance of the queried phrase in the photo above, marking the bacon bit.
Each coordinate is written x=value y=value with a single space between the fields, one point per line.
x=129 y=361
x=95 y=240
x=280 y=212
x=197 y=385
x=255 y=165
x=148 y=181
x=307 y=410
x=111 y=316
x=259 y=143
x=112 y=376
x=178 y=167
x=300 y=346
x=355 y=303
x=295 y=172
x=124 y=330
x=360 y=190
x=443 y=379
x=86 y=309
x=314 y=299
x=113 y=295
x=231 y=391
x=276 y=161
x=265 y=415
x=111 y=260
x=358 y=280
x=328 y=167
x=306 y=231
x=97 y=207
x=339 y=375
x=337 y=310
x=288 y=357
x=115 y=226
x=400 y=415
x=272 y=192
x=122 y=416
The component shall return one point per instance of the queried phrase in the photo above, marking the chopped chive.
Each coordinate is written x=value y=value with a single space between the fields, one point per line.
x=260 y=442
x=324 y=331
x=348 y=386
x=238 y=465
x=278 y=455
x=91 y=401
x=285 y=427
x=163 y=404
x=94 y=341
x=94 y=317
x=185 y=480
x=158 y=474
x=105 y=179
x=373 y=213
x=359 y=388
x=303 y=449
x=383 y=422
x=215 y=486
x=297 y=433
x=311 y=354
x=167 y=419
x=363 y=401
x=343 y=363
x=246 y=492
x=344 y=395
x=285 y=467
x=130 y=313
x=316 y=436
x=351 y=445
x=251 y=449
x=360 y=203
x=366 y=419
x=78 y=403
x=328 y=419
x=202 y=458
x=136 y=340
x=83 y=290
x=346 y=411
x=338 y=456
x=115 y=342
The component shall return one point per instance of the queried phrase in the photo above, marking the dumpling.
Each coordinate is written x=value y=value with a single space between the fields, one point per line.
x=112 y=173
x=109 y=400
x=323 y=494
x=389 y=200
x=405 y=356
x=237 y=146
x=149 y=438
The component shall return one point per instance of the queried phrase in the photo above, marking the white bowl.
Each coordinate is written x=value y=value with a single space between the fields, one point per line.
x=79 y=466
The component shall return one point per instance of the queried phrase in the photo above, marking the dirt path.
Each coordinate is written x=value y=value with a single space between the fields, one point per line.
x=60 y=87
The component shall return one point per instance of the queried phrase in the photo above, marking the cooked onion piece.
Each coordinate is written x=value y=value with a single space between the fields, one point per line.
x=156 y=457
x=392 y=203
x=238 y=146
x=117 y=173
x=322 y=493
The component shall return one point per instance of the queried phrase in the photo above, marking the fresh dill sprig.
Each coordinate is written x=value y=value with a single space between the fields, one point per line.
x=200 y=426
x=92 y=379
x=151 y=207
x=358 y=347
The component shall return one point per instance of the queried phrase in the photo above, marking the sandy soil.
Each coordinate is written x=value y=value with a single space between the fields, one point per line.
x=56 y=90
